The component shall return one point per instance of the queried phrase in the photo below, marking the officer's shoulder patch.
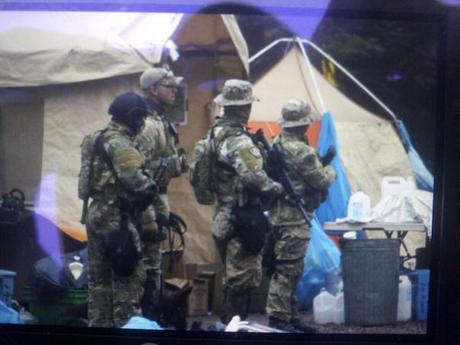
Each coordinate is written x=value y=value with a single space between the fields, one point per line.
x=251 y=156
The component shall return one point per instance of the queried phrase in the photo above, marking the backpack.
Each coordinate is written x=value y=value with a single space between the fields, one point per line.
x=89 y=167
x=201 y=169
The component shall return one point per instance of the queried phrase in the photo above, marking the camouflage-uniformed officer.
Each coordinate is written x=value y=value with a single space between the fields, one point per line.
x=118 y=184
x=157 y=141
x=240 y=181
x=291 y=232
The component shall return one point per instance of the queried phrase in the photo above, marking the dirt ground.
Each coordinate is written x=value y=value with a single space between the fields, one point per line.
x=410 y=327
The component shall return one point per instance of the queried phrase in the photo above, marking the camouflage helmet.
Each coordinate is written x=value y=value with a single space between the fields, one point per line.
x=236 y=92
x=296 y=113
x=158 y=76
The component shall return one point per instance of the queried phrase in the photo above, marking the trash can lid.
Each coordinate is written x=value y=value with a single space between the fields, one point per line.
x=7 y=273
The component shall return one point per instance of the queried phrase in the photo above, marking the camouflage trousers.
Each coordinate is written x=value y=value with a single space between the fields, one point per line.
x=151 y=247
x=290 y=249
x=112 y=299
x=243 y=270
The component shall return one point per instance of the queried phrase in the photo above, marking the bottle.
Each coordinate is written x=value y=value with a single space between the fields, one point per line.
x=404 y=299
x=323 y=307
x=359 y=205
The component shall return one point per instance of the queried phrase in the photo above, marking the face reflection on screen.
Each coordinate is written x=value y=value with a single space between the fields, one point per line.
x=363 y=260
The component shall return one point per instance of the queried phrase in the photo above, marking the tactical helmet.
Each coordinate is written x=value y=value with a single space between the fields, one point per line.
x=297 y=113
x=130 y=109
x=236 y=92
x=158 y=76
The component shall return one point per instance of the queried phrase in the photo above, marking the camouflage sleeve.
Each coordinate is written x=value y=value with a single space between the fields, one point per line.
x=317 y=176
x=161 y=207
x=127 y=163
x=245 y=157
x=174 y=169
x=148 y=143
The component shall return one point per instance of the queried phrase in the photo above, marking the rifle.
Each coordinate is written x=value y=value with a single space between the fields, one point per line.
x=278 y=171
x=164 y=164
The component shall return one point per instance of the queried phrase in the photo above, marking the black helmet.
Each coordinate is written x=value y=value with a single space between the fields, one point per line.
x=130 y=109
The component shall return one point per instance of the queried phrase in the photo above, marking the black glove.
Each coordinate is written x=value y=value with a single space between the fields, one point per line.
x=183 y=160
x=329 y=156
x=163 y=223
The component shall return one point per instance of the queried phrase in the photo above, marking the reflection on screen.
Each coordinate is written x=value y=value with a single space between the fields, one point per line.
x=363 y=250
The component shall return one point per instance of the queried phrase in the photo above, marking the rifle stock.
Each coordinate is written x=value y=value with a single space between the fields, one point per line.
x=278 y=170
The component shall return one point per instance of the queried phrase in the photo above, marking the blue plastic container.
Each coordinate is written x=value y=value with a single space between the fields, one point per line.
x=7 y=279
x=8 y=315
x=420 y=280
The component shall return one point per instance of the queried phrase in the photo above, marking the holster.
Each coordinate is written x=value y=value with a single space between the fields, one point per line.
x=251 y=226
x=122 y=251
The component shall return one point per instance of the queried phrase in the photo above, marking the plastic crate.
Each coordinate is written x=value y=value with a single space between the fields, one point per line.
x=7 y=279
x=420 y=280
x=48 y=312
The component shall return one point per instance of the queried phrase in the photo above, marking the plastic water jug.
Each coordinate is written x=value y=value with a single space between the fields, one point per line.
x=394 y=185
x=404 y=299
x=339 y=310
x=323 y=307
x=359 y=205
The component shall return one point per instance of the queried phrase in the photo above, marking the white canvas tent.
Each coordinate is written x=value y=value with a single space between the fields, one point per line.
x=59 y=71
x=369 y=145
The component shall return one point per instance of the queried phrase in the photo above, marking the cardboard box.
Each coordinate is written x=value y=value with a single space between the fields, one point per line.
x=197 y=304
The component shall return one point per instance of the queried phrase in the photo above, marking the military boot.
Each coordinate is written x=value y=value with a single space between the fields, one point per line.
x=302 y=326
x=235 y=303
x=282 y=325
x=150 y=302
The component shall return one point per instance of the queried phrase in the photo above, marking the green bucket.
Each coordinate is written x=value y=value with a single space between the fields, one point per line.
x=48 y=311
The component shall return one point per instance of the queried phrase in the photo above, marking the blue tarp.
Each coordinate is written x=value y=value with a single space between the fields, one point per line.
x=8 y=315
x=423 y=178
x=336 y=204
x=139 y=322
x=322 y=255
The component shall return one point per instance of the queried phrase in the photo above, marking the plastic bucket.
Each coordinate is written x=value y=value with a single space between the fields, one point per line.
x=370 y=270
x=7 y=279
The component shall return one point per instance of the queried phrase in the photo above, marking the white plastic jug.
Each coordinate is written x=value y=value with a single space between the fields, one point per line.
x=404 y=299
x=323 y=307
x=394 y=185
x=339 y=310
x=359 y=205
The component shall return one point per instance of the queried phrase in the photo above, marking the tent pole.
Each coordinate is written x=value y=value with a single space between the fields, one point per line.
x=330 y=58
x=268 y=47
x=310 y=70
x=349 y=75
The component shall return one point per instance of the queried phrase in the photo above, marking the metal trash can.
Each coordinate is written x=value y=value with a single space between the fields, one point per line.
x=370 y=270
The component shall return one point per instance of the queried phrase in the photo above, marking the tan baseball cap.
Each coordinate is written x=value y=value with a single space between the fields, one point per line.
x=158 y=76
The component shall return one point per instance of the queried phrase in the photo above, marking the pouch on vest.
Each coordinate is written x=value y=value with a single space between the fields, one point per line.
x=201 y=170
x=251 y=226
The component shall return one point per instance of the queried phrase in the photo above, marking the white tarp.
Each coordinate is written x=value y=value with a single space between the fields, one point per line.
x=369 y=145
x=42 y=48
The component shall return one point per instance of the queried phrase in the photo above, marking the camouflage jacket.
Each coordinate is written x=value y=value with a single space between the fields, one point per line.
x=309 y=176
x=239 y=175
x=121 y=177
x=157 y=141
